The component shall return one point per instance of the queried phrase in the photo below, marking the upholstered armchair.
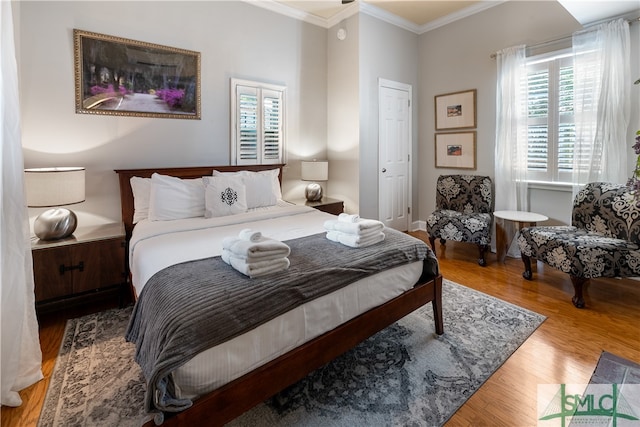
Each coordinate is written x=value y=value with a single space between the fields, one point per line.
x=603 y=240
x=464 y=212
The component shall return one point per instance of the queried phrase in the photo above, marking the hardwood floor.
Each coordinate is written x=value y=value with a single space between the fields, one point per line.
x=564 y=349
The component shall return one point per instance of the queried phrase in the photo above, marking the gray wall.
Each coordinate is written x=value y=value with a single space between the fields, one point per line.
x=332 y=91
x=235 y=39
x=456 y=57
x=388 y=52
x=343 y=102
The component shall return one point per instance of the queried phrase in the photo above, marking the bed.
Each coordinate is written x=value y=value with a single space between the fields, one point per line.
x=230 y=378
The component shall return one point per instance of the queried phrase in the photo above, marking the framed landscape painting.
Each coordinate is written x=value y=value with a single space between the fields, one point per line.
x=123 y=77
x=456 y=110
x=456 y=150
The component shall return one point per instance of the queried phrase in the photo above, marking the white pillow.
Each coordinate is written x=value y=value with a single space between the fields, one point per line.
x=141 y=188
x=263 y=187
x=175 y=198
x=224 y=195
x=259 y=190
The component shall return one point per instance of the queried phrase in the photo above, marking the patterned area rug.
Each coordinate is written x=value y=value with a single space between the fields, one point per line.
x=625 y=374
x=404 y=375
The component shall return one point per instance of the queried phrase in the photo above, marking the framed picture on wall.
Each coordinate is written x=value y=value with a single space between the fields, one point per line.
x=456 y=110
x=456 y=150
x=123 y=77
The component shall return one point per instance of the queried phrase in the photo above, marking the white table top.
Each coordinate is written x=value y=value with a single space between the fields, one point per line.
x=520 y=216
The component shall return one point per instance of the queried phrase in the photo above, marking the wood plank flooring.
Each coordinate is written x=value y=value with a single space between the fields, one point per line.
x=564 y=349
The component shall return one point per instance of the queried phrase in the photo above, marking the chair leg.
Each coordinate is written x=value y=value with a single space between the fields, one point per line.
x=442 y=241
x=482 y=249
x=432 y=242
x=527 y=267
x=578 y=283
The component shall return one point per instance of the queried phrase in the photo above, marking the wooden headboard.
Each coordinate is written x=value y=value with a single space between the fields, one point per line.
x=126 y=194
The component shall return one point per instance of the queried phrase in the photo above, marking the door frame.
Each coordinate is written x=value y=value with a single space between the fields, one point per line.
x=391 y=84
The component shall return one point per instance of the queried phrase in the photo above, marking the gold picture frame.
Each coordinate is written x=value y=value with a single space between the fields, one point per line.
x=456 y=110
x=123 y=77
x=456 y=150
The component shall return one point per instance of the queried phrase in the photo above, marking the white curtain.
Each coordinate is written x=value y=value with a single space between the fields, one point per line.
x=511 y=130
x=21 y=357
x=602 y=86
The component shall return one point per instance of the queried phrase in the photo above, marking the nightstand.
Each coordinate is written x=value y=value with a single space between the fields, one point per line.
x=332 y=206
x=91 y=262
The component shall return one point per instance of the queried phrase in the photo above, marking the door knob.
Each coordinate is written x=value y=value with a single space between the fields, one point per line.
x=384 y=170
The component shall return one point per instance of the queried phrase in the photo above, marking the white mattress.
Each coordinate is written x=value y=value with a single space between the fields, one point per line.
x=159 y=244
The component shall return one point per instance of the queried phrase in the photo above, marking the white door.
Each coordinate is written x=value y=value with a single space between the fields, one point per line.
x=394 y=171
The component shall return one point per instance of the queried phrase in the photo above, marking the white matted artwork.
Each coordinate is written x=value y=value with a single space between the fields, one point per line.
x=456 y=150
x=456 y=110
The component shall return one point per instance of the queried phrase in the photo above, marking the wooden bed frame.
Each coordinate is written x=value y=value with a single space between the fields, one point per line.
x=231 y=400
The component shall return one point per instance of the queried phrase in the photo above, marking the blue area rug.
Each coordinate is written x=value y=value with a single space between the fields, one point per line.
x=404 y=375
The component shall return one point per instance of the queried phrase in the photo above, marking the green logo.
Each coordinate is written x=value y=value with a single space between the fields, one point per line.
x=600 y=404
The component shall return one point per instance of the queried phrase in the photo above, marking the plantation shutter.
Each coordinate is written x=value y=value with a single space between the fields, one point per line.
x=566 y=123
x=272 y=125
x=550 y=119
x=258 y=117
x=538 y=114
x=247 y=98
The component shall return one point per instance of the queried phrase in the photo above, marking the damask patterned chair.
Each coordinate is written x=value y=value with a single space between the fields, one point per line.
x=464 y=212
x=603 y=240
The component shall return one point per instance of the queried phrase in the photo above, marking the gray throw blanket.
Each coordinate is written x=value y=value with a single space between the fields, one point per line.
x=187 y=308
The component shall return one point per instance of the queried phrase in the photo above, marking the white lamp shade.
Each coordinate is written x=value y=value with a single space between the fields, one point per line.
x=315 y=171
x=54 y=186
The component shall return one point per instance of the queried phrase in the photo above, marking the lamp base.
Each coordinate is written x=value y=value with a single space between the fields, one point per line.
x=313 y=192
x=55 y=224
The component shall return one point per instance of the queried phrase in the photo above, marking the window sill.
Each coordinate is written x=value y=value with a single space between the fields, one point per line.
x=551 y=186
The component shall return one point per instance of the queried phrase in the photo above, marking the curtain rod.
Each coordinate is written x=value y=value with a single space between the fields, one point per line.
x=566 y=37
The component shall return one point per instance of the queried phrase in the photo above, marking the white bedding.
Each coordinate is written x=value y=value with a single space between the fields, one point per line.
x=158 y=244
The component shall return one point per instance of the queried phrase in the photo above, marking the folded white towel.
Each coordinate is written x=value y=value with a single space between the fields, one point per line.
x=355 y=241
x=229 y=241
x=264 y=250
x=345 y=217
x=364 y=226
x=250 y=235
x=255 y=269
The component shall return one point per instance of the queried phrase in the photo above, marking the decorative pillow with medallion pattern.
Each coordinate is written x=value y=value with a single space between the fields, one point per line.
x=224 y=195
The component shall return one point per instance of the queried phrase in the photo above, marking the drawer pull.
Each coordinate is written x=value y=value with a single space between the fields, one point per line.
x=79 y=267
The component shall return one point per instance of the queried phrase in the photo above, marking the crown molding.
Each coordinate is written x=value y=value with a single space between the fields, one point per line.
x=464 y=13
x=366 y=8
x=347 y=12
x=388 y=17
x=291 y=12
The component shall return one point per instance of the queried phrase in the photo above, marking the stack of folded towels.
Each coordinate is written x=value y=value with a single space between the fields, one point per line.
x=253 y=254
x=353 y=231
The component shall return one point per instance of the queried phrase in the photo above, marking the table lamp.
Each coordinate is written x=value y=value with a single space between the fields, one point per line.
x=54 y=187
x=314 y=171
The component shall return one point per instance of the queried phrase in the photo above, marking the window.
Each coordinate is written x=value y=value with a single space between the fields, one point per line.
x=257 y=123
x=551 y=129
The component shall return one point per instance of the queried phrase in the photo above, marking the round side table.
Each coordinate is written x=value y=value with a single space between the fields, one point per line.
x=505 y=230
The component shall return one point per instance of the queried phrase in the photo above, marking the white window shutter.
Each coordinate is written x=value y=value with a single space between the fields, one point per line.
x=551 y=125
x=258 y=117
x=247 y=125
x=272 y=107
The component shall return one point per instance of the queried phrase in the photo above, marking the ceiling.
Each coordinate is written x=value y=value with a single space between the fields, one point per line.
x=417 y=12
x=423 y=15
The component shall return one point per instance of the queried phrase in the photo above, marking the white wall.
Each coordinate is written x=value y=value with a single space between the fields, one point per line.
x=343 y=121
x=456 y=57
x=332 y=91
x=391 y=53
x=235 y=39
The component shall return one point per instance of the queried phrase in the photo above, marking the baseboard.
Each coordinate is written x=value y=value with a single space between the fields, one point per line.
x=419 y=226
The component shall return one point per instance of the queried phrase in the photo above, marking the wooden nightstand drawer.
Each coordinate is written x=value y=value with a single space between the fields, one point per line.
x=332 y=206
x=91 y=260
